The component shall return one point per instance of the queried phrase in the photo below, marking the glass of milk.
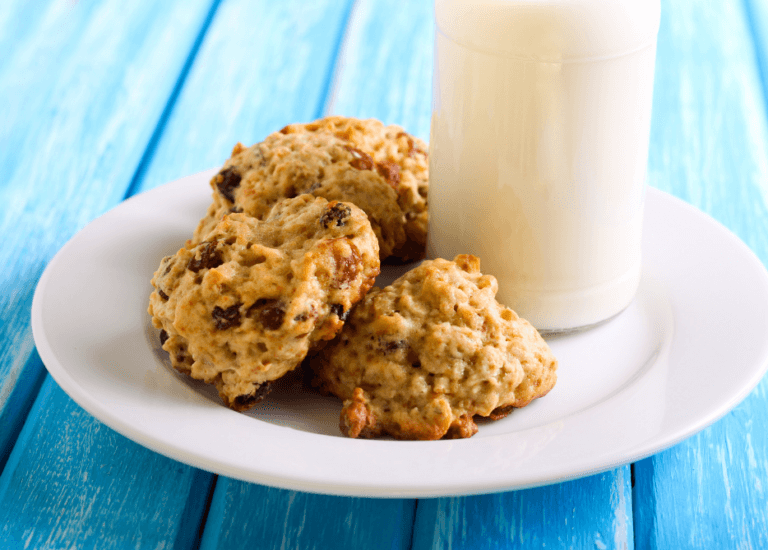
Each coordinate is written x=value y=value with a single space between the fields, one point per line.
x=538 y=149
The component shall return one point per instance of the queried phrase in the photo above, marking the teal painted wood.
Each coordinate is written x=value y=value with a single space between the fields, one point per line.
x=566 y=515
x=262 y=65
x=244 y=515
x=71 y=482
x=83 y=88
x=708 y=145
x=385 y=66
x=79 y=102
x=756 y=12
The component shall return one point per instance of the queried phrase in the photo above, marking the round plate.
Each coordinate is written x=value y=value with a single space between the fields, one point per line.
x=637 y=384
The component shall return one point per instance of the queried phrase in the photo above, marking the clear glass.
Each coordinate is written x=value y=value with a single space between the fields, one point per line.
x=538 y=168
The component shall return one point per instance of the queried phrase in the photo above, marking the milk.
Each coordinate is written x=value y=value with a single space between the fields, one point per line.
x=538 y=149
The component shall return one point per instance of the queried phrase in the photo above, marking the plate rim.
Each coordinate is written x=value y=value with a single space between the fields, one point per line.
x=368 y=488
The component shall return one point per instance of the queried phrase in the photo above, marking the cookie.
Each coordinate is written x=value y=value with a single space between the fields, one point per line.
x=245 y=305
x=381 y=169
x=422 y=357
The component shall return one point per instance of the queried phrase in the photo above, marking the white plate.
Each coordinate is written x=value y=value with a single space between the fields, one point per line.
x=690 y=347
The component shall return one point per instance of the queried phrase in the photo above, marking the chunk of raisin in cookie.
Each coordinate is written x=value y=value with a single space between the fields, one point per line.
x=338 y=310
x=390 y=171
x=227 y=181
x=269 y=312
x=163 y=337
x=210 y=257
x=226 y=318
x=246 y=401
x=360 y=160
x=162 y=294
x=388 y=346
x=337 y=213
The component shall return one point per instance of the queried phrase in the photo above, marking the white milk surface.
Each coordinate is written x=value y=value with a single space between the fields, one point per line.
x=539 y=145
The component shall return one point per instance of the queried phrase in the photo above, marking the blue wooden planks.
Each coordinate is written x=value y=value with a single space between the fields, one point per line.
x=246 y=515
x=83 y=88
x=708 y=145
x=69 y=143
x=72 y=482
x=262 y=65
x=385 y=66
x=71 y=116
x=594 y=512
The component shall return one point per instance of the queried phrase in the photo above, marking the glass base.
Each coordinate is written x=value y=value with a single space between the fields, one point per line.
x=554 y=333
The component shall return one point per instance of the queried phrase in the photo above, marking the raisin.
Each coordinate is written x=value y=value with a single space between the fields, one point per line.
x=246 y=401
x=301 y=317
x=162 y=294
x=226 y=318
x=500 y=412
x=412 y=149
x=336 y=212
x=390 y=346
x=338 y=310
x=163 y=337
x=390 y=171
x=270 y=312
x=210 y=257
x=227 y=183
x=360 y=160
x=347 y=266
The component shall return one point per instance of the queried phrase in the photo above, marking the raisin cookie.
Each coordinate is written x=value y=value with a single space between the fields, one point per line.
x=381 y=169
x=244 y=306
x=421 y=357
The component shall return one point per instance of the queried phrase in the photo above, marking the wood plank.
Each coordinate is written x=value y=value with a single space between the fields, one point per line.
x=279 y=56
x=83 y=88
x=72 y=88
x=386 y=72
x=276 y=76
x=245 y=514
x=708 y=145
x=385 y=66
x=565 y=515
x=72 y=482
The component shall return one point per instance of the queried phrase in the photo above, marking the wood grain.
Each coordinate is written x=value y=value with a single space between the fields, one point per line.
x=71 y=139
x=708 y=146
x=83 y=87
x=594 y=512
x=262 y=65
x=71 y=482
x=384 y=69
x=245 y=515
x=97 y=100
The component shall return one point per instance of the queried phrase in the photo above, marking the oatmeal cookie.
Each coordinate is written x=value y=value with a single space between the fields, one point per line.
x=245 y=305
x=381 y=169
x=421 y=357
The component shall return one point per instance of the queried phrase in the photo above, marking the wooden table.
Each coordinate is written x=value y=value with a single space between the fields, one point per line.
x=100 y=101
